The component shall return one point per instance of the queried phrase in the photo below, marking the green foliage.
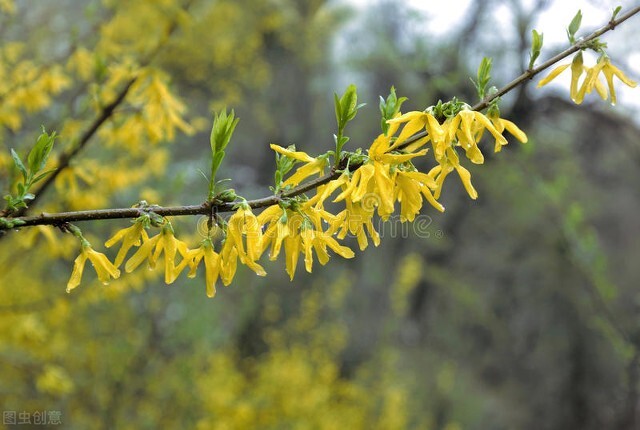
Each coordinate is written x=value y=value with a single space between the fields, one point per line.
x=615 y=13
x=537 y=40
x=223 y=126
x=346 y=108
x=284 y=165
x=389 y=108
x=483 y=77
x=36 y=161
x=574 y=26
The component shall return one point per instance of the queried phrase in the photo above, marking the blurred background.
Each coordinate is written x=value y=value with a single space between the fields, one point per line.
x=519 y=310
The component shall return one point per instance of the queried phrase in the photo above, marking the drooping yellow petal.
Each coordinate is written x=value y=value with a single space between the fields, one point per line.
x=104 y=268
x=412 y=127
x=384 y=185
x=229 y=264
x=554 y=74
x=514 y=130
x=76 y=274
x=577 y=68
x=296 y=155
x=292 y=250
x=465 y=177
x=307 y=236
x=212 y=269
x=609 y=71
x=341 y=250
x=143 y=253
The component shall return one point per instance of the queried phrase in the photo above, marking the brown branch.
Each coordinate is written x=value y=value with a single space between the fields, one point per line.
x=65 y=158
x=206 y=207
x=201 y=209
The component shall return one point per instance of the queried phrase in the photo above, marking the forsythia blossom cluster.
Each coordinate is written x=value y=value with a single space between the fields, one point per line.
x=301 y=226
x=591 y=80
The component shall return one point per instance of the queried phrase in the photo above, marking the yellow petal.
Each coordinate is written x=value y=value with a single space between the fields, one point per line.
x=141 y=254
x=297 y=155
x=411 y=128
x=212 y=269
x=514 y=130
x=554 y=73
x=291 y=249
x=76 y=274
x=465 y=177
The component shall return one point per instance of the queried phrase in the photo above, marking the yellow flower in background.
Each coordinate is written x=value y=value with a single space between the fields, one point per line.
x=103 y=267
x=591 y=81
x=212 y=264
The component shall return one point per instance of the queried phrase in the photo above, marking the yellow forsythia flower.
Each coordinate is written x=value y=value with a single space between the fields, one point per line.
x=448 y=164
x=244 y=223
x=312 y=166
x=411 y=186
x=301 y=231
x=212 y=264
x=355 y=217
x=103 y=267
x=130 y=236
x=503 y=124
x=163 y=243
x=591 y=81
x=414 y=123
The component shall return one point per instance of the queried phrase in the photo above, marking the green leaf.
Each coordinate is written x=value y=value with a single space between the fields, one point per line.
x=39 y=154
x=537 y=40
x=338 y=109
x=574 y=26
x=223 y=127
x=18 y=163
x=221 y=131
x=217 y=160
x=348 y=104
x=616 y=11
x=483 y=77
x=389 y=108
x=42 y=175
